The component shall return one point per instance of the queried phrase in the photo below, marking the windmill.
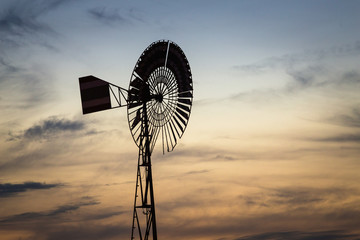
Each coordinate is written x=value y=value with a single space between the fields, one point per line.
x=158 y=101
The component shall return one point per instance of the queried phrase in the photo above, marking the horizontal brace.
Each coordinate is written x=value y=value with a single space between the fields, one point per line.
x=144 y=206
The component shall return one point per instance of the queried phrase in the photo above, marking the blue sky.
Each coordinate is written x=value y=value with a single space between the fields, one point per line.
x=272 y=146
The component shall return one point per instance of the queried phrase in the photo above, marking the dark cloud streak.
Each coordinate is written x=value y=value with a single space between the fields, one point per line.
x=52 y=126
x=9 y=189
x=49 y=128
x=344 y=138
x=299 y=200
x=197 y=172
x=33 y=216
x=347 y=120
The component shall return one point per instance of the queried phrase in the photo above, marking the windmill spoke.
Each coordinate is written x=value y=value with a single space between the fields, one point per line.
x=172 y=124
x=183 y=107
x=172 y=86
x=167 y=128
x=162 y=138
x=167 y=53
x=172 y=131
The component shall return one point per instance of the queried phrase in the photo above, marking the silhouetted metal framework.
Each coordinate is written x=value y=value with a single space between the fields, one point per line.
x=144 y=188
x=159 y=101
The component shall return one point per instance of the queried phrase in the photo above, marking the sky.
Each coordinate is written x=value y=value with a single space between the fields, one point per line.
x=271 y=150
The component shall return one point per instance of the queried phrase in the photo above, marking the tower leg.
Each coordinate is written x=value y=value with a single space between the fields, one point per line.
x=144 y=221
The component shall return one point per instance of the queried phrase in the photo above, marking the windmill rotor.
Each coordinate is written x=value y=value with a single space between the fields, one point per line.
x=162 y=81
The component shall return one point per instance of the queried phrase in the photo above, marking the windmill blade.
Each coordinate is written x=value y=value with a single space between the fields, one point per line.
x=136 y=119
x=182 y=113
x=186 y=94
x=183 y=107
x=176 y=130
x=185 y=101
x=178 y=124
x=172 y=131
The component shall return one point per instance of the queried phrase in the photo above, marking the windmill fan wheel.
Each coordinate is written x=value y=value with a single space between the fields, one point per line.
x=160 y=94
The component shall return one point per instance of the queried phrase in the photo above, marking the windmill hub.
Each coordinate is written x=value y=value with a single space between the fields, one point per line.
x=159 y=97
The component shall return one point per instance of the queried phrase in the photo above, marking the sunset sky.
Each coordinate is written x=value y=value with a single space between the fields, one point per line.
x=272 y=148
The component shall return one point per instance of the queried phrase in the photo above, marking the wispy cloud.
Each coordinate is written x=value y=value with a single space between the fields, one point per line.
x=10 y=189
x=305 y=71
x=21 y=25
x=41 y=143
x=34 y=216
x=106 y=15
x=343 y=138
x=289 y=61
x=298 y=235
x=205 y=153
x=295 y=197
x=225 y=157
x=315 y=76
x=19 y=20
x=58 y=223
x=269 y=209
x=305 y=78
x=26 y=82
x=7 y=68
x=318 y=76
x=351 y=119
x=89 y=231
x=197 y=172
x=37 y=145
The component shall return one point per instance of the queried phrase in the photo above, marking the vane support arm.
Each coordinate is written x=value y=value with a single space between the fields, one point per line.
x=98 y=95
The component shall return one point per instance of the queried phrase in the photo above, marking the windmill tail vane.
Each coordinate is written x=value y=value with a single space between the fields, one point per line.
x=158 y=101
x=98 y=95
